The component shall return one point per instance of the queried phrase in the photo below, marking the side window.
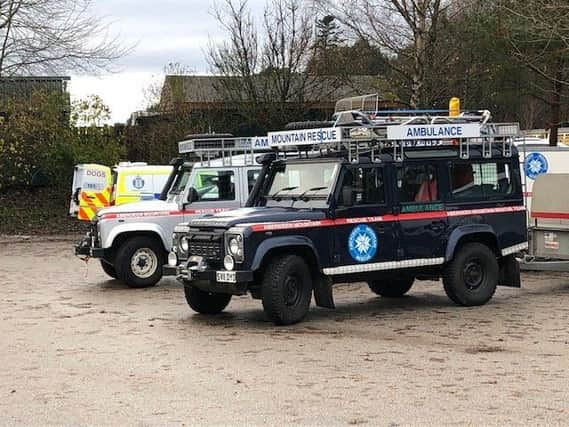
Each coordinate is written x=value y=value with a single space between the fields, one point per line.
x=362 y=186
x=474 y=180
x=212 y=185
x=418 y=184
x=252 y=175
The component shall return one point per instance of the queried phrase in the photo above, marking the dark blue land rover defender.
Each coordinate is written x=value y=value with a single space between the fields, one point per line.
x=385 y=201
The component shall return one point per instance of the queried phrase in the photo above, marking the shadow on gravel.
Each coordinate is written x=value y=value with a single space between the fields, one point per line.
x=364 y=309
x=117 y=285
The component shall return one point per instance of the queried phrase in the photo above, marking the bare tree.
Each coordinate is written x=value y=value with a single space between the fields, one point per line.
x=538 y=31
x=263 y=64
x=49 y=36
x=406 y=30
x=237 y=59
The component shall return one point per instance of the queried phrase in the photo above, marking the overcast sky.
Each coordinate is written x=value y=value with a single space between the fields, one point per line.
x=165 y=31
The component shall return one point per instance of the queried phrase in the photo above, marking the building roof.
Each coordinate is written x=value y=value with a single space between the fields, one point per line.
x=324 y=91
x=25 y=85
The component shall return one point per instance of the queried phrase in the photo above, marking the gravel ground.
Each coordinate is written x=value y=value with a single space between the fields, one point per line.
x=78 y=348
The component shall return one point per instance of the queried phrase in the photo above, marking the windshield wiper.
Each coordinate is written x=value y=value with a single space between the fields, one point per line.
x=275 y=195
x=303 y=197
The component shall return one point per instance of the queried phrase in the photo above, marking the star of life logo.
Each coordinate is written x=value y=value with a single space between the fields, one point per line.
x=362 y=243
x=535 y=165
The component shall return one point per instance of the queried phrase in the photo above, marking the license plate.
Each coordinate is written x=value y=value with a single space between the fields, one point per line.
x=226 y=276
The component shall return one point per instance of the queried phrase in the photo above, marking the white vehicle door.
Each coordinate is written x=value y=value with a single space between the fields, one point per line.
x=78 y=175
x=213 y=190
x=90 y=190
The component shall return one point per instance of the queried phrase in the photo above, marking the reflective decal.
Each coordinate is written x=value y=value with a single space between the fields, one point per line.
x=535 y=165
x=274 y=226
x=362 y=243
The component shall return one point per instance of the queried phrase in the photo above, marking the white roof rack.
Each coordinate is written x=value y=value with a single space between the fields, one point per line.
x=365 y=133
x=209 y=149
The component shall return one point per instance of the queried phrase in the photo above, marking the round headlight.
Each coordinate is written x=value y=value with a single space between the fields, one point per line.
x=184 y=244
x=234 y=246
x=228 y=262
x=172 y=259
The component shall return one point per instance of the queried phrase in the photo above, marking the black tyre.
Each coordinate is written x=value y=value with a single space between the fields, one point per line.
x=472 y=276
x=109 y=269
x=286 y=290
x=205 y=302
x=391 y=288
x=139 y=261
x=308 y=125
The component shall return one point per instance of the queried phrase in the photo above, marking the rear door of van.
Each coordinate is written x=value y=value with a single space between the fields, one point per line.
x=91 y=190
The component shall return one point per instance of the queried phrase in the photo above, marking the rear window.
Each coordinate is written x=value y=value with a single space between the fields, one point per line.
x=418 y=184
x=481 y=180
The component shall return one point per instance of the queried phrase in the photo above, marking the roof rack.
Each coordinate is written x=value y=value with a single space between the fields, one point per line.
x=360 y=125
x=368 y=102
x=356 y=132
x=212 y=148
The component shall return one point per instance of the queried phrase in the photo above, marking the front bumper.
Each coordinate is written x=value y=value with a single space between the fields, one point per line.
x=168 y=270
x=85 y=248
x=206 y=280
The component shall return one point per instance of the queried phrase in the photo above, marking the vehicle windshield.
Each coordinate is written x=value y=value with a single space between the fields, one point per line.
x=180 y=182
x=301 y=185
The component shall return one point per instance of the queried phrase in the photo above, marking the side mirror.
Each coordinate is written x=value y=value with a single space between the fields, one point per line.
x=193 y=195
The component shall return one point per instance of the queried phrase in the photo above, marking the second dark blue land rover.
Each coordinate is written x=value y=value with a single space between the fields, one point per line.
x=369 y=202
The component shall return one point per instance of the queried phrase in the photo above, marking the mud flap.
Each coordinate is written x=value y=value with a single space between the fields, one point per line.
x=323 y=292
x=509 y=272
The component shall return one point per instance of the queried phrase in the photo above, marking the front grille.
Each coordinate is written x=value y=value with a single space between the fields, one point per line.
x=207 y=245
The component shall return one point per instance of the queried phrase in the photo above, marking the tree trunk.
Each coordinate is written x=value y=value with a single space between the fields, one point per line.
x=418 y=78
x=556 y=106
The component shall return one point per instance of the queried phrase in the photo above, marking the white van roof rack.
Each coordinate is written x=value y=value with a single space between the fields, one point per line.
x=212 y=148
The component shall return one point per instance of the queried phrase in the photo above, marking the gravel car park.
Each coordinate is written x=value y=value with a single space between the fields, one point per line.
x=80 y=348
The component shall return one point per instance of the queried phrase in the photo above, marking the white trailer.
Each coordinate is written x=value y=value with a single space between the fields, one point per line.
x=549 y=224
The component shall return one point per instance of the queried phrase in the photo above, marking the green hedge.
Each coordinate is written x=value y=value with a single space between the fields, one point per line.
x=38 y=137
